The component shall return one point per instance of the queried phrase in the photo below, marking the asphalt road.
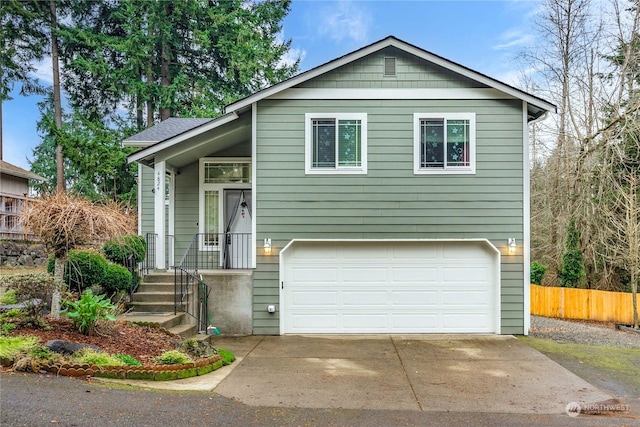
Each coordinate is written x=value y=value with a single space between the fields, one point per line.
x=33 y=400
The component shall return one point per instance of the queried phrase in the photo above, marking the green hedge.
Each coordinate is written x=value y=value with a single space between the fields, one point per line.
x=116 y=278
x=82 y=269
x=119 y=250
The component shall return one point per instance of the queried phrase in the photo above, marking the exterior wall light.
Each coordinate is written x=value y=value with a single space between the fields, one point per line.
x=512 y=245
x=267 y=246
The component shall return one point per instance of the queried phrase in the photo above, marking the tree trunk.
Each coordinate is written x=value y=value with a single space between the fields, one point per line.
x=57 y=104
x=58 y=273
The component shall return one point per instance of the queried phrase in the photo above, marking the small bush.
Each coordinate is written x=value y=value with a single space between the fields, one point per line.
x=84 y=268
x=227 y=356
x=8 y=298
x=172 y=357
x=537 y=272
x=127 y=250
x=89 y=310
x=93 y=357
x=128 y=360
x=116 y=278
x=10 y=347
x=44 y=354
x=32 y=289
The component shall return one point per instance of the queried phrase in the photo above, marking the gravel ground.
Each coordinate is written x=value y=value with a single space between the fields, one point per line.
x=583 y=332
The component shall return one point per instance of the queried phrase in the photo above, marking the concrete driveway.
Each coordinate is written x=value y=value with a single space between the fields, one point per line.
x=467 y=373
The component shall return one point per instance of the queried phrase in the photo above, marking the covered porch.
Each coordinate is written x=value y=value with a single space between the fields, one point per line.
x=195 y=192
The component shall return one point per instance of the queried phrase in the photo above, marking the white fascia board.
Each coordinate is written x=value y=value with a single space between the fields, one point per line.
x=140 y=144
x=464 y=93
x=390 y=42
x=155 y=148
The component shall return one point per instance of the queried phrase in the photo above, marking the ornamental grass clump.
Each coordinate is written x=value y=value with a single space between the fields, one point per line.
x=173 y=357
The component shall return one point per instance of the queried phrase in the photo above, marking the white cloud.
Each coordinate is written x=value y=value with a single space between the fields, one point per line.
x=44 y=71
x=345 y=20
x=515 y=37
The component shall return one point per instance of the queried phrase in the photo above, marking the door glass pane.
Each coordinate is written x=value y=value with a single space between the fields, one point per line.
x=432 y=143
x=211 y=216
x=458 y=143
x=349 y=143
x=324 y=144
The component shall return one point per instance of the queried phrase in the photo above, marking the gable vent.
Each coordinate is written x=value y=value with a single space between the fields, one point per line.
x=389 y=66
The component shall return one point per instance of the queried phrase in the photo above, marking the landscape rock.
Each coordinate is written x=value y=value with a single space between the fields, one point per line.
x=68 y=347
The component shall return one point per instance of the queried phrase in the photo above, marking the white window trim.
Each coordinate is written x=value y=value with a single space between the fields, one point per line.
x=338 y=170
x=450 y=170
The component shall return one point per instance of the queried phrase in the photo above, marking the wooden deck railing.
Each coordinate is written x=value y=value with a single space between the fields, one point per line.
x=586 y=304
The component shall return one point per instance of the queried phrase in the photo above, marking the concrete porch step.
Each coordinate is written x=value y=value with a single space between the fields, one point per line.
x=166 y=320
x=140 y=297
x=153 y=307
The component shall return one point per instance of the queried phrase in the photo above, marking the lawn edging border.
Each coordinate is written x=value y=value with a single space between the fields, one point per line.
x=150 y=372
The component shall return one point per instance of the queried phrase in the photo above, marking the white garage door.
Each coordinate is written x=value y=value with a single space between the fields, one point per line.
x=390 y=287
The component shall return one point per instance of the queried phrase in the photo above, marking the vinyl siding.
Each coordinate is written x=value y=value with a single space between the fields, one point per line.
x=411 y=72
x=186 y=208
x=390 y=201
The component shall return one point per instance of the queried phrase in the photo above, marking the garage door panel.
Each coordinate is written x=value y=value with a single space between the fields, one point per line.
x=421 y=275
x=390 y=287
x=461 y=322
x=413 y=298
x=364 y=276
x=365 y=322
x=466 y=275
x=364 y=299
x=415 y=322
x=314 y=298
x=410 y=251
x=367 y=254
x=315 y=322
x=480 y=298
x=314 y=275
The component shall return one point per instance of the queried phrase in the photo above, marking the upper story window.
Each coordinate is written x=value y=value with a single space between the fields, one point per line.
x=444 y=143
x=336 y=143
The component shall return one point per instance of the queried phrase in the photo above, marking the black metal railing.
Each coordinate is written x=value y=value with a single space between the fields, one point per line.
x=150 y=256
x=185 y=283
x=218 y=251
x=150 y=259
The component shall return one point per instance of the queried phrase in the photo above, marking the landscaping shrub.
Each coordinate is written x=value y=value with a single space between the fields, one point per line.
x=227 y=356
x=32 y=289
x=128 y=360
x=84 y=268
x=88 y=310
x=8 y=298
x=116 y=278
x=92 y=357
x=572 y=269
x=537 y=272
x=121 y=250
x=10 y=347
x=173 y=357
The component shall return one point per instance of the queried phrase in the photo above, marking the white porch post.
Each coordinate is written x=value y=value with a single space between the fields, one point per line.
x=159 y=212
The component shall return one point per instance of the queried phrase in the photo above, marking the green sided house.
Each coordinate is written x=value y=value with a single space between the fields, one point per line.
x=386 y=191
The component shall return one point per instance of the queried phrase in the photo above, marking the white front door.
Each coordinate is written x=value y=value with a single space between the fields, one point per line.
x=239 y=240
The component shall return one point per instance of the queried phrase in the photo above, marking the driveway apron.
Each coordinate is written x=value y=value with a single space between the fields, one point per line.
x=461 y=373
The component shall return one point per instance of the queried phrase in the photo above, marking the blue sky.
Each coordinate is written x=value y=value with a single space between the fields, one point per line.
x=482 y=35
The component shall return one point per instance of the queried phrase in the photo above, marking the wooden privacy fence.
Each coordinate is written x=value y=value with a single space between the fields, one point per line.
x=587 y=304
